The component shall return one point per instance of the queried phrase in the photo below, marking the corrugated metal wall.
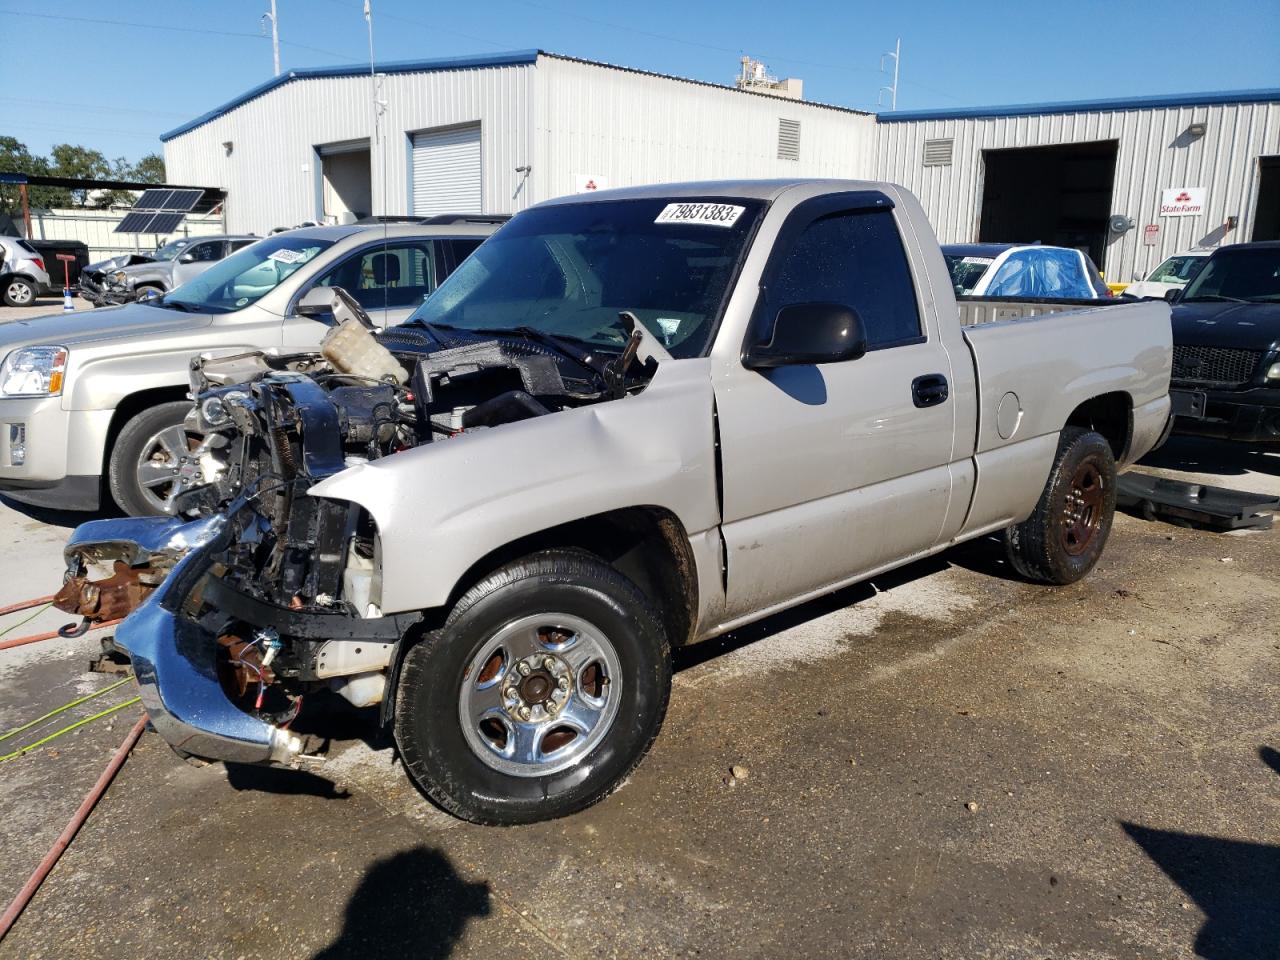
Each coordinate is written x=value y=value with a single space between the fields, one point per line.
x=271 y=177
x=1153 y=155
x=635 y=128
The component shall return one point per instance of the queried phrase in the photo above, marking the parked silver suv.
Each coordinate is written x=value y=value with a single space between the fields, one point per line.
x=174 y=264
x=98 y=399
x=23 y=276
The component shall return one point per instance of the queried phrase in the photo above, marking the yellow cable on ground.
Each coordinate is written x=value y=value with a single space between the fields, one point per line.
x=27 y=619
x=66 y=706
x=67 y=729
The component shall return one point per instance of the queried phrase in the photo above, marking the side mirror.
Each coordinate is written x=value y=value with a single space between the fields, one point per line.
x=317 y=303
x=1174 y=295
x=805 y=333
x=332 y=305
x=187 y=258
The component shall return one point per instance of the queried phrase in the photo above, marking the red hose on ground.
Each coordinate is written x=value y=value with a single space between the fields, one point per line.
x=25 y=605
x=64 y=840
x=37 y=637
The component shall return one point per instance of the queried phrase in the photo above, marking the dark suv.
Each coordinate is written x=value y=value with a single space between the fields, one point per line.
x=1226 y=346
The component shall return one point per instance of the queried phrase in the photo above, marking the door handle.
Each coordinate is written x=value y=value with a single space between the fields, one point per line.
x=930 y=390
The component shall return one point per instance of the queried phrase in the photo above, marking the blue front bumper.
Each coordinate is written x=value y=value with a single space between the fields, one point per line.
x=173 y=656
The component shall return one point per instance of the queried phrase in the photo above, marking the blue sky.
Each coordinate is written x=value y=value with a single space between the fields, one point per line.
x=114 y=85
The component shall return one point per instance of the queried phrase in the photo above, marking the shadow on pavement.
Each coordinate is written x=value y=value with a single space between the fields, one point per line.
x=1221 y=457
x=687 y=657
x=1271 y=758
x=1234 y=882
x=296 y=783
x=412 y=904
x=67 y=519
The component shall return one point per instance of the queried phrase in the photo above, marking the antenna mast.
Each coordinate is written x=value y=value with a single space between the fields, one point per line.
x=896 y=53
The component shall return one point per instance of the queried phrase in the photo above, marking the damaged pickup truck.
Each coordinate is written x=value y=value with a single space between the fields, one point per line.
x=629 y=422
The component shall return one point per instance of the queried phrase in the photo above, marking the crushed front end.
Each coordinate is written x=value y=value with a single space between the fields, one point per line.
x=273 y=593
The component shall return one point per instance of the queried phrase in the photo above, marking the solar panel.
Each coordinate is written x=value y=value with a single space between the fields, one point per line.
x=135 y=222
x=183 y=200
x=152 y=199
x=165 y=222
x=159 y=210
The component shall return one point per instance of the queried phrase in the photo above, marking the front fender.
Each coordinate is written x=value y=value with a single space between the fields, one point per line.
x=441 y=507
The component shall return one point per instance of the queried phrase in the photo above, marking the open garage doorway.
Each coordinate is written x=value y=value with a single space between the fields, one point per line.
x=1057 y=195
x=346 y=181
x=1266 y=215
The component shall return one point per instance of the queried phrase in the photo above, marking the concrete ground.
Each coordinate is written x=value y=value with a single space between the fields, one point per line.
x=944 y=763
x=42 y=306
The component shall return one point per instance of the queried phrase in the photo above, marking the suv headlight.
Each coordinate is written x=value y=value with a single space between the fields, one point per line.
x=1273 y=372
x=33 y=372
x=119 y=276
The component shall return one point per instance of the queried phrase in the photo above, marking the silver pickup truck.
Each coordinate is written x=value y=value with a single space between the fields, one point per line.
x=630 y=422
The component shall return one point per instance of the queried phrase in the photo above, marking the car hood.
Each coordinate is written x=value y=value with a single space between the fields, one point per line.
x=1211 y=323
x=116 y=263
x=136 y=320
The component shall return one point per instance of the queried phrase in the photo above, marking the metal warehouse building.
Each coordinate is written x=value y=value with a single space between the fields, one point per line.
x=1172 y=172
x=1131 y=181
x=493 y=134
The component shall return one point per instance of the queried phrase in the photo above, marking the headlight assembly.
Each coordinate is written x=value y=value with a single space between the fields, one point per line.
x=1273 y=372
x=119 y=276
x=33 y=372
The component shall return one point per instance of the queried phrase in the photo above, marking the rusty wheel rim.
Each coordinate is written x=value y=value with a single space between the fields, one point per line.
x=1082 y=511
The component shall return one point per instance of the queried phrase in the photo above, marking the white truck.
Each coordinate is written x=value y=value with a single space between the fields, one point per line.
x=629 y=422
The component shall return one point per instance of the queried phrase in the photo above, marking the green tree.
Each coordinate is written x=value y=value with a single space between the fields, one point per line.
x=16 y=158
x=150 y=169
x=72 y=160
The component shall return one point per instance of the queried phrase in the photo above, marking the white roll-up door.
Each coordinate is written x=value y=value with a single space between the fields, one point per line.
x=446 y=171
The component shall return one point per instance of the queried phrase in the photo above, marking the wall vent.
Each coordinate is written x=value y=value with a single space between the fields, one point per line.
x=937 y=153
x=788 y=139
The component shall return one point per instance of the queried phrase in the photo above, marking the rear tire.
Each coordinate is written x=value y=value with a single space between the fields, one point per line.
x=18 y=292
x=463 y=688
x=1062 y=540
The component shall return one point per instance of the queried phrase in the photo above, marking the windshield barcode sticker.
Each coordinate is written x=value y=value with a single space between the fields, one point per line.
x=285 y=255
x=708 y=214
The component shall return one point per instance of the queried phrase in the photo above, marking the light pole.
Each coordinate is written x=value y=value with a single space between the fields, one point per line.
x=896 y=53
x=275 y=35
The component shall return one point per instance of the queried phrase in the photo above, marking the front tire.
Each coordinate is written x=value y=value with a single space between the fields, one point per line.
x=543 y=690
x=147 y=461
x=18 y=292
x=1062 y=540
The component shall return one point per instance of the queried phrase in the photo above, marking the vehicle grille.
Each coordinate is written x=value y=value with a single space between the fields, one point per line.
x=1214 y=364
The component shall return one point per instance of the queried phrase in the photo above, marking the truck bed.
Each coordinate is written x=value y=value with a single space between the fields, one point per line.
x=978 y=310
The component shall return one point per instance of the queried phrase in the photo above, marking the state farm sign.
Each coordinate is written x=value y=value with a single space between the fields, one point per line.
x=1182 y=202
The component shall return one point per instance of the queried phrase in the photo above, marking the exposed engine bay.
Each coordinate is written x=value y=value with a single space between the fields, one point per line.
x=292 y=588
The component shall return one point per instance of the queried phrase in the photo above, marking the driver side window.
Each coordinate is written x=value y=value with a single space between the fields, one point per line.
x=855 y=259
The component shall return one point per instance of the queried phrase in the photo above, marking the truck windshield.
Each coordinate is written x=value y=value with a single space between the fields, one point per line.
x=1176 y=270
x=1251 y=274
x=245 y=277
x=966 y=272
x=569 y=270
x=171 y=249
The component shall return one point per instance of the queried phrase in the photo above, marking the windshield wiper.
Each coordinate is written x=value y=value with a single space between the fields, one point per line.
x=430 y=327
x=1215 y=296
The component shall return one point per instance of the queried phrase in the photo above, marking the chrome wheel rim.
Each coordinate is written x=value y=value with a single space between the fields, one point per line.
x=20 y=293
x=540 y=694
x=172 y=461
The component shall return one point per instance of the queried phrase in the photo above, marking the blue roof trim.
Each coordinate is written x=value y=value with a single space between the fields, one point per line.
x=513 y=58
x=1085 y=106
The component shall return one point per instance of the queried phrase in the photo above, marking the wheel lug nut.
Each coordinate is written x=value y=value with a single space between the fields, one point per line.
x=524 y=713
x=524 y=669
x=564 y=683
x=549 y=663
